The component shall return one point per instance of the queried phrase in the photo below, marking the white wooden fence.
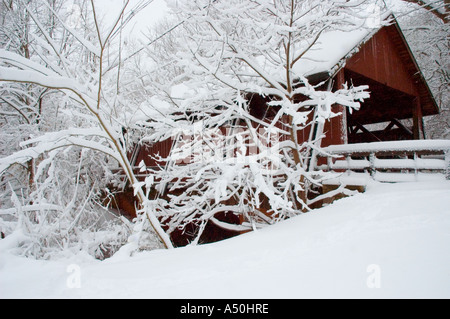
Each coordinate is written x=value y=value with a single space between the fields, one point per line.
x=395 y=161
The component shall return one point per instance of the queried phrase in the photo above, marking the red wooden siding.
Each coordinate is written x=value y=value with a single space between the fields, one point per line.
x=380 y=60
x=147 y=153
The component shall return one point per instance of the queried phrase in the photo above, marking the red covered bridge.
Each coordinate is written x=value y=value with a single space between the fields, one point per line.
x=381 y=59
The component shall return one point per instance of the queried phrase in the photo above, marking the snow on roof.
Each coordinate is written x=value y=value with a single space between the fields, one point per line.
x=331 y=48
x=325 y=55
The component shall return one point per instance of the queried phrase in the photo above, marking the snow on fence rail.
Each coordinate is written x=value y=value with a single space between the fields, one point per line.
x=395 y=161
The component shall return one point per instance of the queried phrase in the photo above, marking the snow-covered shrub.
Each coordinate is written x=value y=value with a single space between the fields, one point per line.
x=63 y=108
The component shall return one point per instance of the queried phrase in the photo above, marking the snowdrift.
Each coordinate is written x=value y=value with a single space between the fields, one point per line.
x=390 y=242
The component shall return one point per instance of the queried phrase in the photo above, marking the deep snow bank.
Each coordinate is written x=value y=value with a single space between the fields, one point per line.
x=391 y=242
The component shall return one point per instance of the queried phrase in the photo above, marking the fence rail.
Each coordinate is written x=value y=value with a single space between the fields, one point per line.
x=395 y=161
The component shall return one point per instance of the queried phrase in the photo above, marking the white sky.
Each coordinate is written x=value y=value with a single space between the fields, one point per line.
x=154 y=12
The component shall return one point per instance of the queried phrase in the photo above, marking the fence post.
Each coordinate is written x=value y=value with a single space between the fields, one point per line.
x=416 y=173
x=330 y=163
x=447 y=164
x=372 y=169
x=348 y=159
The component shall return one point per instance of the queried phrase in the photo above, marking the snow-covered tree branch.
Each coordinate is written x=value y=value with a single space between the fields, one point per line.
x=228 y=85
x=427 y=34
x=50 y=61
x=227 y=158
x=439 y=8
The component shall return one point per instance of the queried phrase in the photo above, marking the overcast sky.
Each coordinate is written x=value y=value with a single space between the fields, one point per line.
x=146 y=18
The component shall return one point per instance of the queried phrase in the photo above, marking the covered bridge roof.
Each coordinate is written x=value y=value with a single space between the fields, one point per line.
x=335 y=50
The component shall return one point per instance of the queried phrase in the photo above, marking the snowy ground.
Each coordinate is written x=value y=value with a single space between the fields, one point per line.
x=391 y=242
